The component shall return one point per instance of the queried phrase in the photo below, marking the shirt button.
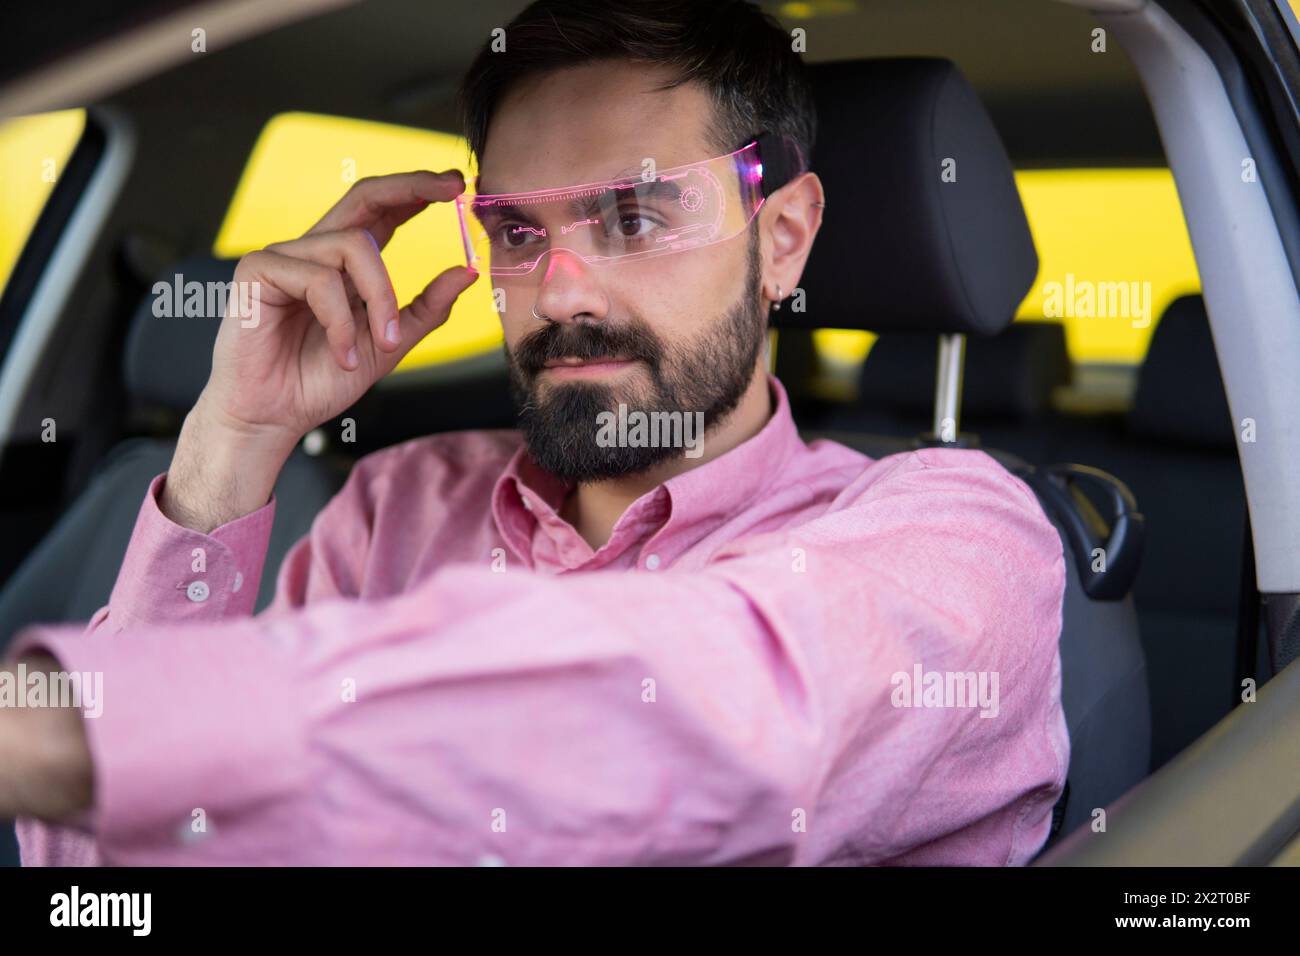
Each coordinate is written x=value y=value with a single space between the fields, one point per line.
x=197 y=591
x=239 y=581
x=652 y=562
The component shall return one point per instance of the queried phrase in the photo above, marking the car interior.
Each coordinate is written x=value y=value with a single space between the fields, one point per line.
x=919 y=322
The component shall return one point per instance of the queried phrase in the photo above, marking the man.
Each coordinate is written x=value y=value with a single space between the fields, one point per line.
x=553 y=647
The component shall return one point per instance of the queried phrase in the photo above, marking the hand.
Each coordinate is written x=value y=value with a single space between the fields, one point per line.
x=327 y=322
x=45 y=764
x=309 y=339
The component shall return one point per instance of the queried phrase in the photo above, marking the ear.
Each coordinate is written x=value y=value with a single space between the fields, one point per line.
x=788 y=223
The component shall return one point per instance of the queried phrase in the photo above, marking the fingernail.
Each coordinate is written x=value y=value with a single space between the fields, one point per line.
x=352 y=357
x=391 y=332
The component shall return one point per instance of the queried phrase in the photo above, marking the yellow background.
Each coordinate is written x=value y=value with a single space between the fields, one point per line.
x=31 y=147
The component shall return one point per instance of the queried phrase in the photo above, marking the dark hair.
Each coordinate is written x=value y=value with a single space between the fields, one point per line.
x=738 y=53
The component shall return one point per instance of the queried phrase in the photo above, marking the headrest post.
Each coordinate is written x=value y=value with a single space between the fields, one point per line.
x=947 y=387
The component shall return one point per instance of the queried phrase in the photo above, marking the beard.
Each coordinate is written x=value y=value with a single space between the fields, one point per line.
x=707 y=374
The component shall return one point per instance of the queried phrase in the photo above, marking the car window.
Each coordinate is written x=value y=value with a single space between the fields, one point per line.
x=303 y=162
x=33 y=152
x=1113 y=252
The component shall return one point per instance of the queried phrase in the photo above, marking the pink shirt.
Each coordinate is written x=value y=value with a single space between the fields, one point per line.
x=450 y=675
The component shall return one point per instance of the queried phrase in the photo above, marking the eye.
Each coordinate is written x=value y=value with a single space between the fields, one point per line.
x=631 y=225
x=513 y=235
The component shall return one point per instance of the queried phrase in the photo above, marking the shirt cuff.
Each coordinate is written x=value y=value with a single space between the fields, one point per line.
x=174 y=574
x=193 y=732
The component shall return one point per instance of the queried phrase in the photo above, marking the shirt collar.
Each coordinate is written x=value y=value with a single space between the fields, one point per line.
x=525 y=493
x=732 y=481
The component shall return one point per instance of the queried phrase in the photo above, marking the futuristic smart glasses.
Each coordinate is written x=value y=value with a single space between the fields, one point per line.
x=632 y=218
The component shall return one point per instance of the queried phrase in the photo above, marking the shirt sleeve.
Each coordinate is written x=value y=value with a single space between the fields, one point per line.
x=169 y=575
x=173 y=575
x=745 y=712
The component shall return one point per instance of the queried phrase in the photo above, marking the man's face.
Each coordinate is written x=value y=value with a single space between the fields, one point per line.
x=677 y=333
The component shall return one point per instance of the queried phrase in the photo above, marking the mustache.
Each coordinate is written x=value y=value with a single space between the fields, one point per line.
x=632 y=340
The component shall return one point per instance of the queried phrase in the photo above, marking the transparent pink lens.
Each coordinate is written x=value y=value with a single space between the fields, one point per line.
x=671 y=210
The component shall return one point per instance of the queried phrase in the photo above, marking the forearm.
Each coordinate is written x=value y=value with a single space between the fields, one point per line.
x=45 y=764
x=253 y=721
x=221 y=472
x=610 y=719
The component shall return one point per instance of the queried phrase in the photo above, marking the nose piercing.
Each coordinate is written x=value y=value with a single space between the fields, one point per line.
x=540 y=318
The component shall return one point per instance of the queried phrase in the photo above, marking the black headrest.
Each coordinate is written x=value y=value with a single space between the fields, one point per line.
x=923 y=228
x=1011 y=375
x=169 y=347
x=1180 y=394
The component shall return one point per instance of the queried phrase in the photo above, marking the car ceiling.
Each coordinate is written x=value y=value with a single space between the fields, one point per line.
x=1055 y=101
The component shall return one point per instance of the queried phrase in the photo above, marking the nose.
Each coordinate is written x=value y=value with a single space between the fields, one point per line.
x=569 y=291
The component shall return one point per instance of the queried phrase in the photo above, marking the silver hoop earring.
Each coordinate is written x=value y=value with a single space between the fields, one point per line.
x=776 y=306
